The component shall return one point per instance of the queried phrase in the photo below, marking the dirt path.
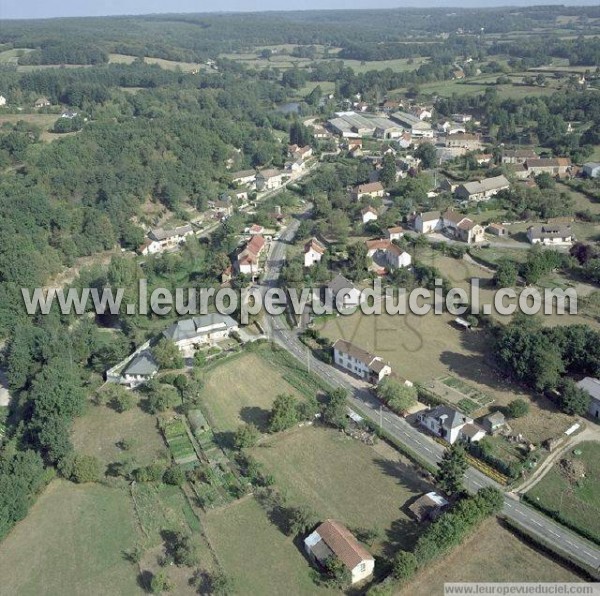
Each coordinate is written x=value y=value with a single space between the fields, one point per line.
x=590 y=433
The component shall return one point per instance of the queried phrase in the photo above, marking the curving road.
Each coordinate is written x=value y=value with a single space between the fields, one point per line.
x=362 y=400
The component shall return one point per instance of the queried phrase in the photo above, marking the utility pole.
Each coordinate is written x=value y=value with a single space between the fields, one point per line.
x=380 y=417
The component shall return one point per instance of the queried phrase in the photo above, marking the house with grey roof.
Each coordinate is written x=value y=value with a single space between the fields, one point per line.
x=591 y=169
x=161 y=239
x=451 y=425
x=481 y=190
x=343 y=293
x=413 y=124
x=550 y=234
x=200 y=330
x=141 y=369
x=592 y=387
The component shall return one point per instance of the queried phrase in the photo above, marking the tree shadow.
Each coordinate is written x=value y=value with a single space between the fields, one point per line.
x=407 y=475
x=225 y=439
x=401 y=535
x=144 y=580
x=257 y=416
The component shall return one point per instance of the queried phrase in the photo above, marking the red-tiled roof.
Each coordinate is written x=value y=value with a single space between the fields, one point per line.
x=343 y=544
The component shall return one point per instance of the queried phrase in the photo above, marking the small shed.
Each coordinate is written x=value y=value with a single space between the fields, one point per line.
x=428 y=506
x=462 y=323
x=493 y=423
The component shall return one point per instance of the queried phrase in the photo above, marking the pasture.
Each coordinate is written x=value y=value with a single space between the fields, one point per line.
x=72 y=540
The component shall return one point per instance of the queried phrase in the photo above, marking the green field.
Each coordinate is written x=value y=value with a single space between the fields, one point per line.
x=243 y=388
x=72 y=541
x=576 y=502
x=166 y=64
x=313 y=467
x=255 y=554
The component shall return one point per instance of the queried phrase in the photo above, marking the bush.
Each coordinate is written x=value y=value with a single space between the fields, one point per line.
x=405 y=565
x=151 y=473
x=247 y=435
x=174 y=475
x=122 y=401
x=517 y=408
x=85 y=468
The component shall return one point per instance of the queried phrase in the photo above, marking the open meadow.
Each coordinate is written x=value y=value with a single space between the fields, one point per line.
x=73 y=539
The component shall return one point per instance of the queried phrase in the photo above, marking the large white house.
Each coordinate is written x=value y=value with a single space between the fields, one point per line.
x=550 y=234
x=200 y=330
x=359 y=362
x=333 y=539
x=451 y=425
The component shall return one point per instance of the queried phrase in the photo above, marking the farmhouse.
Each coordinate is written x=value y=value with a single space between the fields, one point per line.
x=558 y=166
x=518 y=156
x=269 y=179
x=2 y=101
x=247 y=259
x=464 y=140
x=592 y=387
x=451 y=425
x=42 y=102
x=371 y=189
x=369 y=214
x=313 y=252
x=295 y=167
x=159 y=239
x=481 y=190
x=200 y=330
x=428 y=506
x=360 y=362
x=591 y=169
x=451 y=128
x=550 y=234
x=297 y=152
x=141 y=369
x=393 y=255
x=462 y=117
x=332 y=539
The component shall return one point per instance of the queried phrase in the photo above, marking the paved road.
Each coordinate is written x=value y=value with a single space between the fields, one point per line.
x=361 y=399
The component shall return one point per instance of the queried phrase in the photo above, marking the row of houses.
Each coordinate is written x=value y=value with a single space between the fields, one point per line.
x=268 y=179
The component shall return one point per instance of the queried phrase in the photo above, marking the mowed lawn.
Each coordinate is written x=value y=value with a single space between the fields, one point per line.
x=242 y=389
x=577 y=502
x=342 y=478
x=72 y=542
x=491 y=554
x=255 y=554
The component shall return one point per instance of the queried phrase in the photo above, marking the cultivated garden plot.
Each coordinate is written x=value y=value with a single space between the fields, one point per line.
x=456 y=392
x=182 y=450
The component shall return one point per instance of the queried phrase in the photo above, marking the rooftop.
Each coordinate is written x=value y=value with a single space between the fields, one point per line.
x=343 y=544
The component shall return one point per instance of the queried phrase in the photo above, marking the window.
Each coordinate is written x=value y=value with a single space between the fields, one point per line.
x=363 y=567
